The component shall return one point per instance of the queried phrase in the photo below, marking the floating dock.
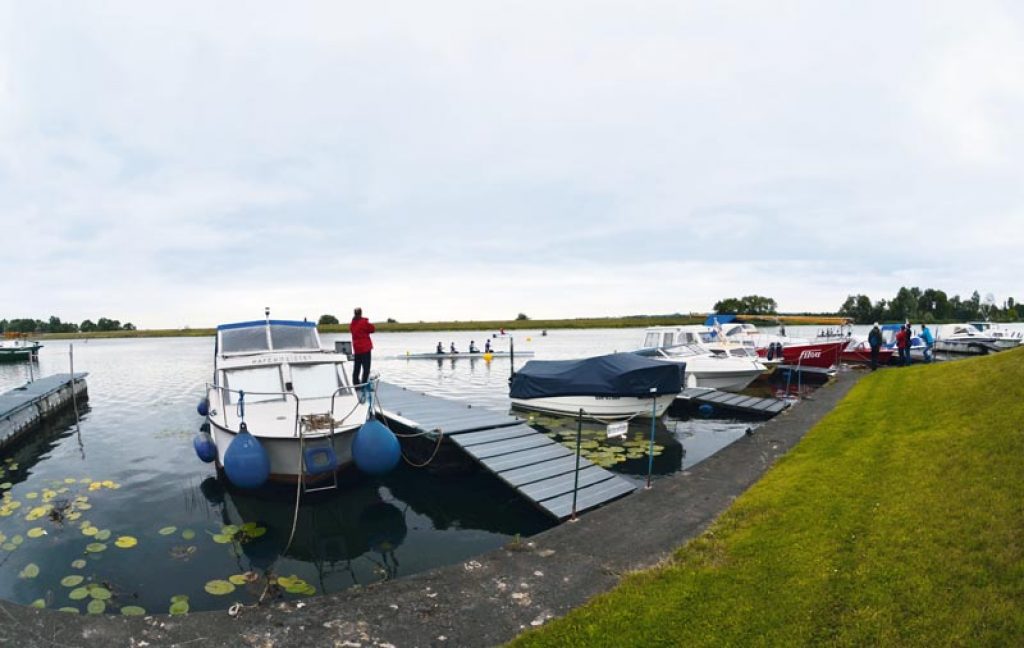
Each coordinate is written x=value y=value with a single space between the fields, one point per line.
x=752 y=405
x=25 y=408
x=535 y=466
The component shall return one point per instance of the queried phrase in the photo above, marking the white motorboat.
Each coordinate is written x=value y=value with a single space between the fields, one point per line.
x=610 y=387
x=705 y=368
x=273 y=382
x=965 y=338
x=1003 y=337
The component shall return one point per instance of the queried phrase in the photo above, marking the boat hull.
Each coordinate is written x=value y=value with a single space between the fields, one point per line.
x=731 y=381
x=453 y=356
x=817 y=355
x=597 y=407
x=285 y=460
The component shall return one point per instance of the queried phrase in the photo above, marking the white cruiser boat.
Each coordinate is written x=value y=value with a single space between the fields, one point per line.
x=1004 y=338
x=728 y=369
x=966 y=338
x=272 y=379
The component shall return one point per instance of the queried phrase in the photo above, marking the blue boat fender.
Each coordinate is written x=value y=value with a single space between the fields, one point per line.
x=205 y=448
x=246 y=462
x=203 y=408
x=706 y=410
x=375 y=448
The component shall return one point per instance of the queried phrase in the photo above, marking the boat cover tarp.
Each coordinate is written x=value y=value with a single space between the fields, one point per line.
x=723 y=318
x=617 y=374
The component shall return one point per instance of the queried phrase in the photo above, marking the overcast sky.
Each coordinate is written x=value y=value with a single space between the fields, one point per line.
x=188 y=163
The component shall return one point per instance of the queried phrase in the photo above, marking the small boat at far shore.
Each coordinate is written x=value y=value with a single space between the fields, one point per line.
x=17 y=349
x=609 y=387
x=475 y=355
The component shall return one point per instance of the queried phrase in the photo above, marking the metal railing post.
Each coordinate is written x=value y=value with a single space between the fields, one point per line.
x=576 y=477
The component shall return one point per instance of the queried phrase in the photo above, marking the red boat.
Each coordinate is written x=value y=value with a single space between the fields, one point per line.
x=799 y=353
x=859 y=351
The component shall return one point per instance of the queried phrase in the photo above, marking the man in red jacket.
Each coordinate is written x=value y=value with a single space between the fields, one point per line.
x=360 y=328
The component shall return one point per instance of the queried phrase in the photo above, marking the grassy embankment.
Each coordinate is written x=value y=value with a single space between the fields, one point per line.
x=898 y=520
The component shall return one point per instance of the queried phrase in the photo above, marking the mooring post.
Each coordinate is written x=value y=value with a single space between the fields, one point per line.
x=576 y=477
x=650 y=450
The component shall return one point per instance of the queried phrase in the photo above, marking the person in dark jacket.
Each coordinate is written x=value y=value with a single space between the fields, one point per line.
x=362 y=346
x=875 y=342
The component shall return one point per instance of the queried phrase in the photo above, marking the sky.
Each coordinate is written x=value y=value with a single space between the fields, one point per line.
x=189 y=163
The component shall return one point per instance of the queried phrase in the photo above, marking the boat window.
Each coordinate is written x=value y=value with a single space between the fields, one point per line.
x=258 y=383
x=666 y=339
x=314 y=380
x=651 y=340
x=243 y=340
x=293 y=337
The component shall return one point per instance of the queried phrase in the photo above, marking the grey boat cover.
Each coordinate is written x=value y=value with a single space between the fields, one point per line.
x=617 y=374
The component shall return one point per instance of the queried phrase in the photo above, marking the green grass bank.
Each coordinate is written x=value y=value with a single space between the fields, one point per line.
x=898 y=520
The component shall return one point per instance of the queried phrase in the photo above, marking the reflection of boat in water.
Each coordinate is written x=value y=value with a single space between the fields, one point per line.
x=329 y=531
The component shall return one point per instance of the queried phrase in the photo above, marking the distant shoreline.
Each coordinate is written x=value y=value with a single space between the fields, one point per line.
x=638 y=321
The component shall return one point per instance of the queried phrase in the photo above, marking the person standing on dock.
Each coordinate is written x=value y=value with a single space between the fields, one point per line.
x=929 y=341
x=903 y=345
x=362 y=346
x=875 y=342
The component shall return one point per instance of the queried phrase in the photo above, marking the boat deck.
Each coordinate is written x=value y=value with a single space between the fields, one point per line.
x=737 y=402
x=536 y=467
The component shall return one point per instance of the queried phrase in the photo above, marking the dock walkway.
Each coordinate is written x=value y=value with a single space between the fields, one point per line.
x=738 y=402
x=535 y=466
x=23 y=408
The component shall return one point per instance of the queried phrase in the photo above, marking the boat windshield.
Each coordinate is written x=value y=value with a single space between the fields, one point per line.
x=293 y=338
x=686 y=350
x=244 y=340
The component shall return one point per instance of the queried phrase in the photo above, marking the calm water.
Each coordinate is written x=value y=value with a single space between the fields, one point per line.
x=131 y=472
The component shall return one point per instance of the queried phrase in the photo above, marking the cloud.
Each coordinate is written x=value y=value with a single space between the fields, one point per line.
x=180 y=164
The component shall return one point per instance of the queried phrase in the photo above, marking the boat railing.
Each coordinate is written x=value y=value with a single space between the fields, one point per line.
x=240 y=403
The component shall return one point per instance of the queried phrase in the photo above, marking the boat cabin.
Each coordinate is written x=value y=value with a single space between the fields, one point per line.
x=274 y=360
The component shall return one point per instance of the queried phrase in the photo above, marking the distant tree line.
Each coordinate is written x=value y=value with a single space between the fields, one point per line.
x=930 y=305
x=54 y=325
x=749 y=305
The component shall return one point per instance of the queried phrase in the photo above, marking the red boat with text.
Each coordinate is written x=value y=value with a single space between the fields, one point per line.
x=814 y=355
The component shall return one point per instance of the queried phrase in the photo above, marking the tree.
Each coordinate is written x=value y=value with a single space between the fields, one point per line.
x=522 y=317
x=750 y=305
x=327 y=319
x=87 y=326
x=128 y=326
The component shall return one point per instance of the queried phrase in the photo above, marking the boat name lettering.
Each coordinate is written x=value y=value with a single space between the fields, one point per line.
x=606 y=397
x=278 y=360
x=810 y=353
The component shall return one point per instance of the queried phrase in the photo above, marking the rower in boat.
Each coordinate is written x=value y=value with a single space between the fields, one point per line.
x=487 y=346
x=440 y=349
x=472 y=347
x=453 y=350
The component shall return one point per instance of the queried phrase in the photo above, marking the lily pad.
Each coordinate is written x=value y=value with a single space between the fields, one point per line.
x=167 y=530
x=31 y=570
x=133 y=610
x=219 y=587
x=78 y=564
x=31 y=495
x=188 y=534
x=95 y=547
x=78 y=593
x=179 y=597
x=17 y=539
x=36 y=532
x=103 y=535
x=6 y=486
x=71 y=610
x=96 y=606
x=126 y=542
x=72 y=580
x=238 y=579
x=179 y=607
x=90 y=530
x=83 y=506
x=100 y=593
x=229 y=529
x=39 y=603
x=70 y=480
x=8 y=546
x=221 y=538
